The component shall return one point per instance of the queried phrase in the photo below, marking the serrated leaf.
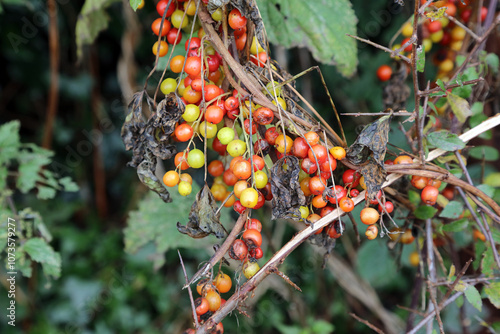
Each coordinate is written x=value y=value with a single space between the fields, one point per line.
x=492 y=291
x=488 y=262
x=41 y=252
x=68 y=184
x=492 y=61
x=156 y=220
x=134 y=4
x=321 y=26
x=45 y=192
x=445 y=140
x=420 y=58
x=92 y=20
x=459 y=106
x=425 y=212
x=452 y=210
x=9 y=140
x=30 y=164
x=456 y=226
x=487 y=152
x=473 y=297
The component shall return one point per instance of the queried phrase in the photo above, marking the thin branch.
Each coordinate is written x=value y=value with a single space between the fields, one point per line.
x=463 y=26
x=357 y=114
x=394 y=53
x=193 y=307
x=367 y=323
x=449 y=86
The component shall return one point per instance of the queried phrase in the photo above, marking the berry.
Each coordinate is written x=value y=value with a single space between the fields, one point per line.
x=384 y=72
x=369 y=216
x=429 y=195
x=371 y=232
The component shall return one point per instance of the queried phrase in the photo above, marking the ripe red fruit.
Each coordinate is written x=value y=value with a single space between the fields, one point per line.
x=214 y=114
x=388 y=206
x=252 y=238
x=429 y=195
x=434 y=26
x=351 y=178
x=271 y=135
x=329 y=165
x=246 y=126
x=236 y=20
x=263 y=116
x=254 y=224
x=316 y=185
x=336 y=194
x=300 y=148
x=374 y=201
x=231 y=103
x=318 y=153
x=162 y=6
x=172 y=35
x=156 y=27
x=256 y=253
x=384 y=73
x=354 y=193
x=419 y=182
x=238 y=207
x=218 y=147
x=194 y=44
x=238 y=250
x=201 y=305
x=193 y=66
x=346 y=204
x=308 y=166
x=331 y=230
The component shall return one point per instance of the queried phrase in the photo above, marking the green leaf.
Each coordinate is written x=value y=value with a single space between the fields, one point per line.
x=488 y=262
x=493 y=179
x=487 y=152
x=134 y=4
x=463 y=91
x=473 y=297
x=414 y=197
x=453 y=210
x=30 y=163
x=92 y=20
x=492 y=61
x=68 y=184
x=321 y=26
x=374 y=264
x=493 y=292
x=41 y=252
x=459 y=106
x=445 y=140
x=456 y=226
x=45 y=192
x=459 y=60
x=425 y=212
x=440 y=83
x=488 y=190
x=478 y=119
x=156 y=221
x=9 y=140
x=459 y=301
x=420 y=58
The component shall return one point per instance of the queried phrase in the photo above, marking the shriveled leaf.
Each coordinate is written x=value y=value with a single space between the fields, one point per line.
x=154 y=221
x=492 y=290
x=321 y=26
x=459 y=106
x=92 y=20
x=372 y=140
x=202 y=218
x=487 y=153
x=425 y=212
x=445 y=140
x=374 y=175
x=132 y=129
x=41 y=252
x=396 y=92
x=452 y=210
x=434 y=15
x=146 y=172
x=285 y=186
x=473 y=297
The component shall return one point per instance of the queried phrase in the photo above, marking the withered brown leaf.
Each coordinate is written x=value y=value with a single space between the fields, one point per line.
x=146 y=173
x=285 y=186
x=203 y=219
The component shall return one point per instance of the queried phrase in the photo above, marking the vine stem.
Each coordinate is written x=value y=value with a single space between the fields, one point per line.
x=279 y=257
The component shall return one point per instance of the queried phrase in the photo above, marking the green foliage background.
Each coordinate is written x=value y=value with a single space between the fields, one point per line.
x=109 y=285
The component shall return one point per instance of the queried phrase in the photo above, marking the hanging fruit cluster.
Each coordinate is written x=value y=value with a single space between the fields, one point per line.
x=443 y=36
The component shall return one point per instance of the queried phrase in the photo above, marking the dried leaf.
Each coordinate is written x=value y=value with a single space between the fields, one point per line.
x=374 y=175
x=203 y=219
x=372 y=139
x=397 y=91
x=285 y=186
x=132 y=129
x=146 y=173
